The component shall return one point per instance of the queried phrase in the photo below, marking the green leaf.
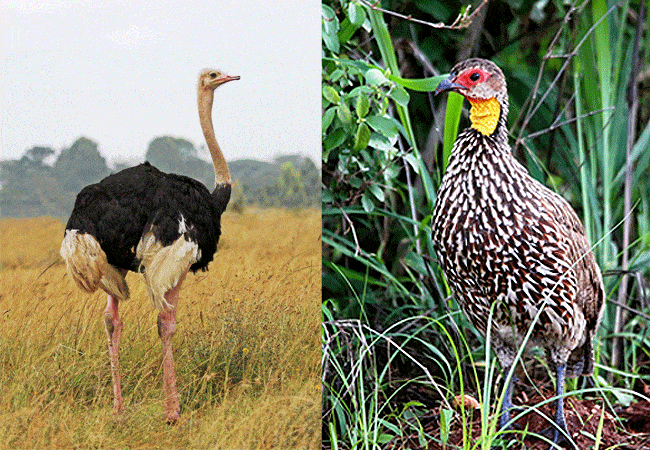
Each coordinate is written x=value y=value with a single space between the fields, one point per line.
x=421 y=84
x=384 y=438
x=327 y=196
x=413 y=162
x=361 y=90
x=362 y=137
x=377 y=191
x=355 y=182
x=367 y=204
x=347 y=31
x=384 y=125
x=452 y=118
x=344 y=113
x=356 y=14
x=334 y=139
x=375 y=77
x=400 y=96
x=330 y=28
x=415 y=261
x=331 y=95
x=363 y=106
x=380 y=142
x=446 y=415
x=328 y=116
x=336 y=75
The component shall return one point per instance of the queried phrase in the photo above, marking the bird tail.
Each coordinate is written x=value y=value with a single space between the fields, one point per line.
x=87 y=265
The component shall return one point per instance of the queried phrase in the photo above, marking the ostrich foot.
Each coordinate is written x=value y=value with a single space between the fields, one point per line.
x=172 y=416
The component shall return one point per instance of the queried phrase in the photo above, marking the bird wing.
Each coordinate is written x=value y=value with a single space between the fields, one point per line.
x=164 y=265
x=87 y=265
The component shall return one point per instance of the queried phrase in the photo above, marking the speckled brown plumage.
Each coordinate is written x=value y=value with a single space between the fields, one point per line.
x=502 y=237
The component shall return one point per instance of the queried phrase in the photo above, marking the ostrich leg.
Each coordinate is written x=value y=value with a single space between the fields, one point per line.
x=113 y=331
x=166 y=329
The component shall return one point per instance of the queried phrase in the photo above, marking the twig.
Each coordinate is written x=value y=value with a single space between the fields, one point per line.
x=630 y=309
x=558 y=125
x=354 y=233
x=568 y=57
x=548 y=55
x=462 y=21
x=602 y=132
x=409 y=187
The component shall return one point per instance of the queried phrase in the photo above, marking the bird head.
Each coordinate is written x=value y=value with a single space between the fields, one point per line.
x=482 y=83
x=212 y=79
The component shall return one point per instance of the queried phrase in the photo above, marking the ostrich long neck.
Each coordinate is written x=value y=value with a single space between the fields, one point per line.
x=221 y=172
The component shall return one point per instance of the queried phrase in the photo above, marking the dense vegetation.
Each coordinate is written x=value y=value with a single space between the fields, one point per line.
x=29 y=187
x=397 y=350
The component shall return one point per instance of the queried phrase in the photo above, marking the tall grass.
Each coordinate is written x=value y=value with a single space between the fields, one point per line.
x=247 y=352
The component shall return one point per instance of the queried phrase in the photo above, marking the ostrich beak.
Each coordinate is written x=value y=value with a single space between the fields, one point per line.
x=448 y=85
x=226 y=78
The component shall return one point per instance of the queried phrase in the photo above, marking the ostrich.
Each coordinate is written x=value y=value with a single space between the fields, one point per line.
x=145 y=220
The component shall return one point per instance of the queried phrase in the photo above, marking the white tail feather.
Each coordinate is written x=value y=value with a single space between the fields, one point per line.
x=165 y=265
x=87 y=265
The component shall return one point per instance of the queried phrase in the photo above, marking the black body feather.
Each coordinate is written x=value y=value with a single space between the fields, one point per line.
x=124 y=206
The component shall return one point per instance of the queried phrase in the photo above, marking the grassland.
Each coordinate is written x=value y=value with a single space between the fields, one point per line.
x=247 y=350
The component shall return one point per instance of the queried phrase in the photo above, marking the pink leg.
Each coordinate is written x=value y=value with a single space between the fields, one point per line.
x=113 y=331
x=166 y=329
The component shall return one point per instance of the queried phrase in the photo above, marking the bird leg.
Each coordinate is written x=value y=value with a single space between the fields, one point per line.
x=507 y=405
x=559 y=431
x=113 y=331
x=166 y=329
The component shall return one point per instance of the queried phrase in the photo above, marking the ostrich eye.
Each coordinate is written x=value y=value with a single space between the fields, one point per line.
x=213 y=75
x=475 y=76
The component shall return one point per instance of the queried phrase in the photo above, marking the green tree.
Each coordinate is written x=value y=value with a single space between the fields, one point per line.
x=291 y=191
x=177 y=155
x=37 y=155
x=310 y=176
x=30 y=188
x=80 y=165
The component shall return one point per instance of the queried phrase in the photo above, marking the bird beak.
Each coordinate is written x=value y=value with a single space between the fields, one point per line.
x=448 y=85
x=226 y=78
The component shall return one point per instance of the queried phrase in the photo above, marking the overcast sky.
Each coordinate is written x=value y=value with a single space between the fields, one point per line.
x=124 y=72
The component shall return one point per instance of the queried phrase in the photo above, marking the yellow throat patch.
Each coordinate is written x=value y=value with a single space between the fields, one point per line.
x=484 y=115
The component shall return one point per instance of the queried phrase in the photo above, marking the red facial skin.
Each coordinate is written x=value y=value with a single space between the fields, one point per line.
x=465 y=78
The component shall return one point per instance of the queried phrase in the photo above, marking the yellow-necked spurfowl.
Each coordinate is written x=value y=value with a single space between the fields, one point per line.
x=502 y=237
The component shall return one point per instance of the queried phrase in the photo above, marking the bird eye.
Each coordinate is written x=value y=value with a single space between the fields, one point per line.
x=213 y=75
x=475 y=76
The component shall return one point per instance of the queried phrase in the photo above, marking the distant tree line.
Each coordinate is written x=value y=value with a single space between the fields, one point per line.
x=30 y=187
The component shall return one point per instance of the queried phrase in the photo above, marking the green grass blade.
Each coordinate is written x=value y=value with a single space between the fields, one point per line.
x=452 y=119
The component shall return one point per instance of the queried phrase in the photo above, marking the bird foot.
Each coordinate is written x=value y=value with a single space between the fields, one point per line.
x=172 y=417
x=558 y=437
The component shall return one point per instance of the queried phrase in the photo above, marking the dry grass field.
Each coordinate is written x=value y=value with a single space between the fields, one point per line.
x=247 y=349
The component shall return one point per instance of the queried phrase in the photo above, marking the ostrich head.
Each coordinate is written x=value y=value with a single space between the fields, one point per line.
x=212 y=79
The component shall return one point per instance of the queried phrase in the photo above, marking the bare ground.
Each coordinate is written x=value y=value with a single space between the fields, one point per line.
x=630 y=431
